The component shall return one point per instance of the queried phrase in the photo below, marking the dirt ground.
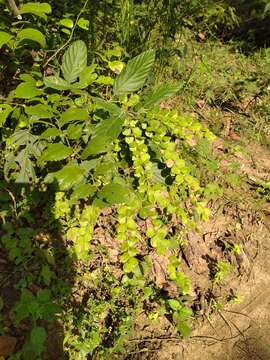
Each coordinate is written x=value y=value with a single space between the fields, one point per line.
x=240 y=332
x=237 y=331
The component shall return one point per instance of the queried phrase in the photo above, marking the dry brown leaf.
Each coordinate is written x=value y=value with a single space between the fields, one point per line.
x=7 y=345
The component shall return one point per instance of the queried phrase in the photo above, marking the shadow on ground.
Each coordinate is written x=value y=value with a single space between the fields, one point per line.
x=33 y=256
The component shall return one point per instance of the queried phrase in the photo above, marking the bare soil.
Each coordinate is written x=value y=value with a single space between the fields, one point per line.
x=236 y=331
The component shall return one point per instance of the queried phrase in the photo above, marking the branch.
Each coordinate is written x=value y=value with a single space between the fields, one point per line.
x=12 y=5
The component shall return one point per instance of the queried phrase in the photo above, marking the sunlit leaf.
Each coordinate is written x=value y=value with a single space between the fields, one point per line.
x=33 y=35
x=83 y=24
x=4 y=38
x=74 y=61
x=40 y=111
x=26 y=90
x=5 y=110
x=36 y=8
x=162 y=93
x=73 y=114
x=68 y=23
x=56 y=82
x=133 y=76
x=55 y=152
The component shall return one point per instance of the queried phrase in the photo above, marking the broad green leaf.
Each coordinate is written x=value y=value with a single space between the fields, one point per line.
x=5 y=110
x=56 y=82
x=83 y=24
x=110 y=107
x=74 y=61
x=184 y=329
x=4 y=38
x=67 y=177
x=86 y=77
x=27 y=171
x=27 y=78
x=37 y=339
x=26 y=90
x=36 y=8
x=133 y=77
x=74 y=131
x=130 y=265
x=83 y=191
x=104 y=80
x=162 y=93
x=33 y=35
x=113 y=193
x=68 y=23
x=50 y=132
x=97 y=145
x=55 y=152
x=73 y=114
x=174 y=304
x=66 y=31
x=40 y=111
x=104 y=133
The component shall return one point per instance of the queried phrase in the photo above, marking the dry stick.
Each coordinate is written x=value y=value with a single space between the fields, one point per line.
x=70 y=37
x=14 y=8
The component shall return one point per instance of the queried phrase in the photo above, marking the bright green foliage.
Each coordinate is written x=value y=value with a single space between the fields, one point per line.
x=74 y=61
x=224 y=268
x=133 y=76
x=116 y=172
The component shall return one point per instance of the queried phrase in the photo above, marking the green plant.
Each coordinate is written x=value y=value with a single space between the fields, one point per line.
x=35 y=308
x=224 y=268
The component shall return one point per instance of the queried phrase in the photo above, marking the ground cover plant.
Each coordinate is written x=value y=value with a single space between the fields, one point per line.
x=106 y=169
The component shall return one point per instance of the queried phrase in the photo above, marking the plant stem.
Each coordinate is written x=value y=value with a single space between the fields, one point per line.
x=70 y=37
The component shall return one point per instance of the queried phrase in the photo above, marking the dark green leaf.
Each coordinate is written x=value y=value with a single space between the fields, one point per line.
x=113 y=193
x=83 y=191
x=104 y=133
x=37 y=339
x=110 y=107
x=67 y=177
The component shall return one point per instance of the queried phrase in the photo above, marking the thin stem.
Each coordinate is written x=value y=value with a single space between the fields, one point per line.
x=14 y=8
x=70 y=37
